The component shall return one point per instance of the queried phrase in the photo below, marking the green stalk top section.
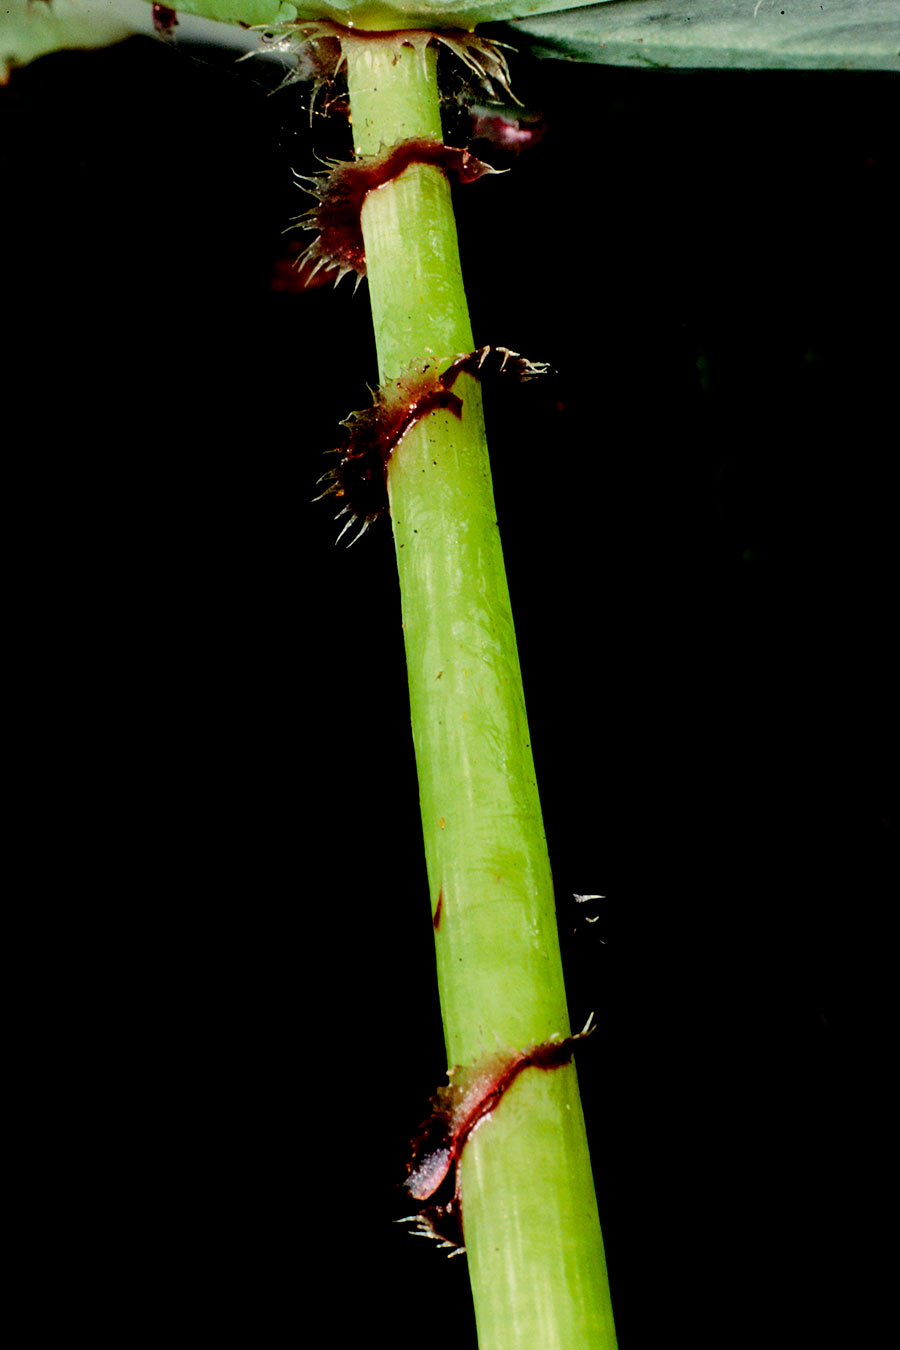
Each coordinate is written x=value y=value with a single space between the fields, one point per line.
x=406 y=109
x=419 y=305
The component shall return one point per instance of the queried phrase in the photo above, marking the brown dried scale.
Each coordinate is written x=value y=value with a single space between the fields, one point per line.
x=359 y=479
x=342 y=189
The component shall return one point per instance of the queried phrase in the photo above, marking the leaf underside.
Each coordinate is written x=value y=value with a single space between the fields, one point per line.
x=33 y=28
x=381 y=13
x=742 y=34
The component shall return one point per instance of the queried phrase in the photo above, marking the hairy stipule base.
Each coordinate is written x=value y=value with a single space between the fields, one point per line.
x=471 y=1095
x=320 y=47
x=359 y=480
x=342 y=189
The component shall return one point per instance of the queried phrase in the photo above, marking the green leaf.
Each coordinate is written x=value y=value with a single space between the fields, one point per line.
x=382 y=13
x=249 y=12
x=32 y=28
x=770 y=35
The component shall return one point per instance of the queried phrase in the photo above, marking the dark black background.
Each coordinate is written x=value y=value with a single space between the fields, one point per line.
x=697 y=510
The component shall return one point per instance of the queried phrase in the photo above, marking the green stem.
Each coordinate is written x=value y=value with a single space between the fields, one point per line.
x=531 y=1227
